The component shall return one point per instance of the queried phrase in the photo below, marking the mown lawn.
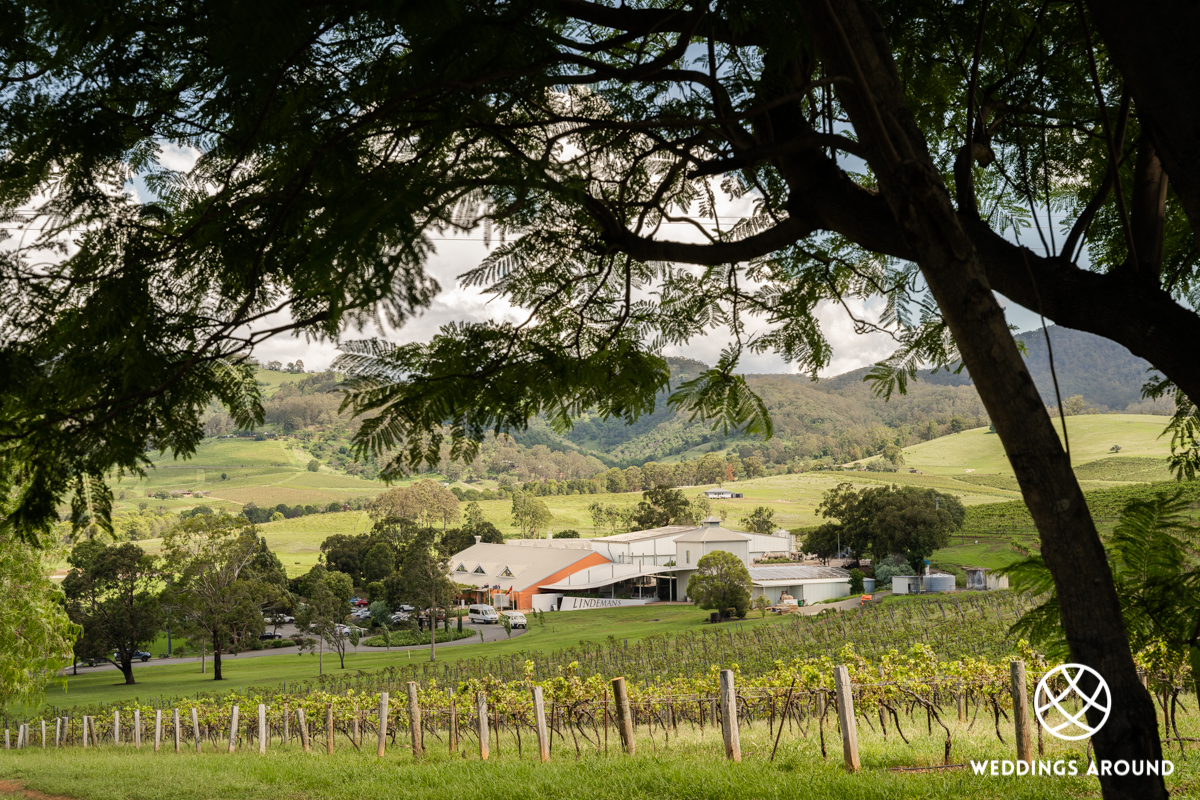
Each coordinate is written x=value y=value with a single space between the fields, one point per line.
x=562 y=629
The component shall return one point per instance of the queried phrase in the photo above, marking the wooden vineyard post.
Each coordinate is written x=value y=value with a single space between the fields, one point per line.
x=329 y=729
x=179 y=731
x=116 y=727
x=414 y=720
x=262 y=729
x=958 y=696
x=729 y=717
x=1020 y=699
x=233 y=728
x=383 y=723
x=57 y=733
x=845 y=701
x=303 y=729
x=85 y=734
x=482 y=715
x=195 y=730
x=137 y=728
x=624 y=715
x=157 y=729
x=539 y=716
x=354 y=730
x=286 y=718
x=452 y=713
x=43 y=734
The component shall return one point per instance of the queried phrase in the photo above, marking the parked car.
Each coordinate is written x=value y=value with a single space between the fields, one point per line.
x=268 y=636
x=409 y=609
x=482 y=613
x=516 y=619
x=140 y=655
x=344 y=630
x=361 y=613
x=399 y=616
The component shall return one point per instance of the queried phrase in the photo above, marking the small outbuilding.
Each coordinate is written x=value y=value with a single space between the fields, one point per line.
x=983 y=579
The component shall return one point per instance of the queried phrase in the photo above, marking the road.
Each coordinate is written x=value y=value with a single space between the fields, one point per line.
x=491 y=633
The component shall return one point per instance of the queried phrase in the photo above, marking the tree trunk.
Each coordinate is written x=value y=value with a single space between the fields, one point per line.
x=126 y=666
x=856 y=46
x=216 y=659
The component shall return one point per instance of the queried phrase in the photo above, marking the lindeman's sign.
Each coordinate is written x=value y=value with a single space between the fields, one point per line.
x=581 y=603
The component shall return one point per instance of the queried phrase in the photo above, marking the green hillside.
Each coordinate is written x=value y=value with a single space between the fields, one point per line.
x=1092 y=437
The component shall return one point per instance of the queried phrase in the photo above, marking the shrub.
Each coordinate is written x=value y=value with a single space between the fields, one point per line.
x=890 y=567
x=856 y=581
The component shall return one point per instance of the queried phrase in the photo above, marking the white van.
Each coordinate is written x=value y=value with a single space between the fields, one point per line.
x=516 y=619
x=482 y=613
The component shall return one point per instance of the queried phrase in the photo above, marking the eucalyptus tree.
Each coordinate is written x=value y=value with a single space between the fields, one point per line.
x=893 y=150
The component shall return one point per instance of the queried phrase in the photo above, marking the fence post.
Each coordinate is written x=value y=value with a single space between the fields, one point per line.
x=85 y=734
x=329 y=729
x=286 y=714
x=1021 y=713
x=729 y=717
x=539 y=715
x=157 y=729
x=262 y=729
x=958 y=696
x=383 y=723
x=482 y=714
x=43 y=734
x=57 y=732
x=845 y=701
x=195 y=730
x=303 y=729
x=233 y=728
x=624 y=715
x=178 y=729
x=20 y=735
x=414 y=720
x=137 y=728
x=453 y=721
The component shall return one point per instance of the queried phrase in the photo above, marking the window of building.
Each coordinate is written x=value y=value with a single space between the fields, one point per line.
x=479 y=570
x=461 y=568
x=507 y=573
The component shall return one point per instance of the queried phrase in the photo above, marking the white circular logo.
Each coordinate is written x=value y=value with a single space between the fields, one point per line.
x=1051 y=706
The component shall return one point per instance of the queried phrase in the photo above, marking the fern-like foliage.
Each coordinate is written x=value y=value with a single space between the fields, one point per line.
x=1153 y=552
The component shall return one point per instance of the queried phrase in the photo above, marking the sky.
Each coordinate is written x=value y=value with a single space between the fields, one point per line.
x=454 y=303
x=455 y=255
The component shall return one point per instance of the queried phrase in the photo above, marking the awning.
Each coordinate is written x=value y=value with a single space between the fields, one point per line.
x=605 y=575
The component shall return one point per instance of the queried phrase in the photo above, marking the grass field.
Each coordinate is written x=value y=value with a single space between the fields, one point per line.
x=563 y=629
x=689 y=766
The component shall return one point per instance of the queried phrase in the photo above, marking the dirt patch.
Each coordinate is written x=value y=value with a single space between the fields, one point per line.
x=14 y=789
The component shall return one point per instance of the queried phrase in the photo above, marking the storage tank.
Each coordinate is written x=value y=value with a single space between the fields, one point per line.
x=868 y=586
x=939 y=583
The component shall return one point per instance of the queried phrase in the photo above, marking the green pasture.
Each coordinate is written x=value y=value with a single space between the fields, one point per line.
x=1091 y=436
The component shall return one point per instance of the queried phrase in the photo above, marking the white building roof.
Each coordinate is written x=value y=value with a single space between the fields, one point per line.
x=528 y=565
x=712 y=533
x=639 y=536
x=798 y=573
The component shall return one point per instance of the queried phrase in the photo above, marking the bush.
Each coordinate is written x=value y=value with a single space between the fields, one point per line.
x=890 y=567
x=314 y=465
x=856 y=581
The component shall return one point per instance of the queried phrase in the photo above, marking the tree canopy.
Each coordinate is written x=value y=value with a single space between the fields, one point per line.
x=882 y=520
x=722 y=582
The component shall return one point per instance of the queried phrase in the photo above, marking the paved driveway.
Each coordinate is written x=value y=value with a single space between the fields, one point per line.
x=491 y=633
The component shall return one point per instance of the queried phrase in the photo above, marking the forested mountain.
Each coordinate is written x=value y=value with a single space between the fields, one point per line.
x=1105 y=374
x=830 y=421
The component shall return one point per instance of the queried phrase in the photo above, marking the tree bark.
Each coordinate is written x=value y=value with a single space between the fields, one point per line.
x=216 y=659
x=854 y=44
